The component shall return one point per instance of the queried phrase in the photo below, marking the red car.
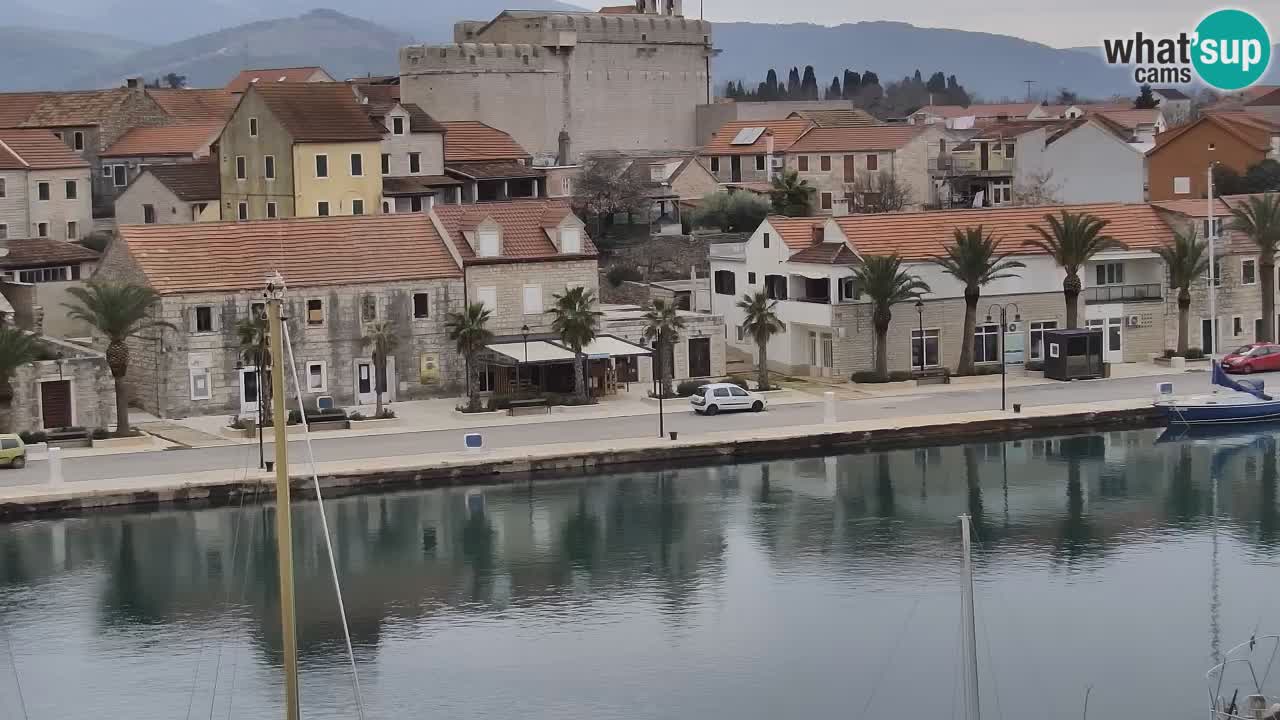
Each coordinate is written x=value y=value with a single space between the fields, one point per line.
x=1258 y=357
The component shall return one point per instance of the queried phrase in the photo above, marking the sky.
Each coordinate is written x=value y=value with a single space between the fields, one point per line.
x=1057 y=23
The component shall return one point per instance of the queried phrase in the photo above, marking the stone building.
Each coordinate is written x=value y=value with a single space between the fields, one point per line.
x=850 y=167
x=489 y=164
x=45 y=188
x=184 y=141
x=69 y=386
x=211 y=276
x=169 y=194
x=412 y=163
x=563 y=83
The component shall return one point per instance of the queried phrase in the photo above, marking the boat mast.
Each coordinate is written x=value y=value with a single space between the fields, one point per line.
x=284 y=520
x=1213 y=269
x=968 y=633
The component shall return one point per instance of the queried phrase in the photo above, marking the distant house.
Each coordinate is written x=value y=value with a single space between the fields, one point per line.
x=171 y=194
x=1174 y=104
x=266 y=76
x=849 y=165
x=747 y=154
x=1266 y=106
x=412 y=161
x=44 y=188
x=668 y=177
x=491 y=165
x=183 y=141
x=1177 y=166
x=985 y=169
x=1094 y=159
x=964 y=116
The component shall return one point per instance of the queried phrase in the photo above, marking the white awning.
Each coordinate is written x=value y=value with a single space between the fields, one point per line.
x=811 y=274
x=539 y=351
x=608 y=346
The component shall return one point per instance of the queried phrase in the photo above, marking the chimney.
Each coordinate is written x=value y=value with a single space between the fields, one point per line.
x=135 y=82
x=768 y=158
x=564 y=146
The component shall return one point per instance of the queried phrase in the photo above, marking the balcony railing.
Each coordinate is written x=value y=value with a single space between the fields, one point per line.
x=1147 y=292
x=728 y=251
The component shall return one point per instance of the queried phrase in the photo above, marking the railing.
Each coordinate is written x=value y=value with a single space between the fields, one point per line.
x=971 y=162
x=813 y=300
x=728 y=251
x=1123 y=293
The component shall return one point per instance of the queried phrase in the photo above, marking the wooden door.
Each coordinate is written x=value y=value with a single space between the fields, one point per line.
x=699 y=357
x=735 y=169
x=983 y=149
x=850 y=168
x=55 y=403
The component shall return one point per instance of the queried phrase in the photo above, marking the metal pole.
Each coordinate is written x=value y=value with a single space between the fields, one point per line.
x=262 y=458
x=662 y=390
x=920 y=312
x=284 y=519
x=969 y=632
x=1213 y=272
x=1004 y=318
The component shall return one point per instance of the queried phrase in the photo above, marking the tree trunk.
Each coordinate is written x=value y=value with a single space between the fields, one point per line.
x=118 y=361
x=762 y=372
x=664 y=372
x=965 y=366
x=1071 y=294
x=1184 y=319
x=122 y=407
x=880 y=320
x=579 y=376
x=379 y=367
x=473 y=385
x=1268 y=277
x=6 y=404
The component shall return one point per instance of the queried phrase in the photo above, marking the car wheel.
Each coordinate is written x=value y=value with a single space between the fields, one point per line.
x=712 y=410
x=18 y=463
x=1246 y=369
x=757 y=406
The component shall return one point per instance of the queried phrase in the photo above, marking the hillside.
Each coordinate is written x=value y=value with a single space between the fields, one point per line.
x=48 y=57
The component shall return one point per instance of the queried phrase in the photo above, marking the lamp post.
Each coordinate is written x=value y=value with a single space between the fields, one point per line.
x=657 y=349
x=920 y=312
x=524 y=333
x=262 y=464
x=1004 y=326
x=1213 y=267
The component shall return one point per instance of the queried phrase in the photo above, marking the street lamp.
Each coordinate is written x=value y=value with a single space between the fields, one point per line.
x=1004 y=326
x=524 y=333
x=662 y=390
x=262 y=460
x=920 y=311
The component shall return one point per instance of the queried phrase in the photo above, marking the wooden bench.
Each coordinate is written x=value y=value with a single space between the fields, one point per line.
x=932 y=377
x=521 y=404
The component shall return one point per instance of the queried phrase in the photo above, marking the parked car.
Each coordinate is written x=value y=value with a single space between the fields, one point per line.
x=13 y=452
x=1255 y=357
x=711 y=399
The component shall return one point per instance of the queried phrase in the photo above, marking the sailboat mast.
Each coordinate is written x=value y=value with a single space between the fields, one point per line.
x=969 y=631
x=284 y=519
x=1213 y=269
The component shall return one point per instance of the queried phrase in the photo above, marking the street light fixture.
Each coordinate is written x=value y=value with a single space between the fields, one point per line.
x=524 y=333
x=262 y=459
x=1004 y=327
x=661 y=386
x=920 y=311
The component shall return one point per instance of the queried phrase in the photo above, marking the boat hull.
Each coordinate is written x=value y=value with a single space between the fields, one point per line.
x=1220 y=413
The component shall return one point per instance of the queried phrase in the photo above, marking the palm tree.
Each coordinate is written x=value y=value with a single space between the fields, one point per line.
x=575 y=319
x=792 y=196
x=255 y=350
x=882 y=278
x=119 y=311
x=761 y=323
x=17 y=348
x=662 y=326
x=972 y=259
x=1071 y=240
x=1187 y=260
x=383 y=338
x=470 y=333
x=1258 y=218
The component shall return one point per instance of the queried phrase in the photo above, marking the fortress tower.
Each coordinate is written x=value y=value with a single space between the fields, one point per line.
x=626 y=78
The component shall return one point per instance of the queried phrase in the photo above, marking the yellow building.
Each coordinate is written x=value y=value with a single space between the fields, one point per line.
x=337 y=178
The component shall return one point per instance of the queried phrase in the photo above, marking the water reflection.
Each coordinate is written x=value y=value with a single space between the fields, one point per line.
x=754 y=590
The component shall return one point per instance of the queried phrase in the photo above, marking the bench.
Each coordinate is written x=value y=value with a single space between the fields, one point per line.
x=521 y=404
x=932 y=377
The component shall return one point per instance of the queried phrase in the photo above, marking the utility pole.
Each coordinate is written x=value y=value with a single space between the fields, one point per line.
x=1029 y=84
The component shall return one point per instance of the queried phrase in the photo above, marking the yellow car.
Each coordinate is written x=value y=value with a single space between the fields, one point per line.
x=13 y=451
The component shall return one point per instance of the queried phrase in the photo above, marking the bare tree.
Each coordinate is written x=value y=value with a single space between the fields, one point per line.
x=606 y=187
x=1037 y=189
x=878 y=193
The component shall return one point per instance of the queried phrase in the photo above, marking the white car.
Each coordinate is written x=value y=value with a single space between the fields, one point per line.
x=711 y=399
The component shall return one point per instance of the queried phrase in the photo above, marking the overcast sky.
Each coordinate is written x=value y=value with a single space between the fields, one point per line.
x=1059 y=23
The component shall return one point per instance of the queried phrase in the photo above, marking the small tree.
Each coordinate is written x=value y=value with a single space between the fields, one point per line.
x=882 y=278
x=1258 y=218
x=1071 y=240
x=761 y=323
x=383 y=339
x=469 y=331
x=575 y=319
x=881 y=192
x=119 y=311
x=606 y=187
x=175 y=81
x=1146 y=100
x=971 y=258
x=732 y=212
x=17 y=348
x=792 y=196
x=1187 y=260
x=662 y=329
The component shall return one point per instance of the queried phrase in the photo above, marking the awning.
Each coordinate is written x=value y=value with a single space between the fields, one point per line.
x=539 y=351
x=811 y=275
x=608 y=346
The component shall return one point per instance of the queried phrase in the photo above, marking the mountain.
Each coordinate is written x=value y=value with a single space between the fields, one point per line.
x=343 y=45
x=49 y=57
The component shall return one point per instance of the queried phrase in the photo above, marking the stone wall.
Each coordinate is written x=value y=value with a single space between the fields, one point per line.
x=508 y=281
x=92 y=391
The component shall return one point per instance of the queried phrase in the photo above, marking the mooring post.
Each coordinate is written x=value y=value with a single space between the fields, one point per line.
x=55 y=466
x=829 y=407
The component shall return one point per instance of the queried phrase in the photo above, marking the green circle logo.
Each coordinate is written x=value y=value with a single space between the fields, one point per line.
x=1232 y=49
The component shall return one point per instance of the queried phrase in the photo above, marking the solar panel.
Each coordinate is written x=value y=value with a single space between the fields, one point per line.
x=747 y=136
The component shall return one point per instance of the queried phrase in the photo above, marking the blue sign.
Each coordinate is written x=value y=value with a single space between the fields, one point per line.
x=473 y=441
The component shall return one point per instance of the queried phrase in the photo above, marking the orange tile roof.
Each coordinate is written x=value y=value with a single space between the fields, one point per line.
x=988 y=111
x=785 y=133
x=852 y=117
x=473 y=141
x=308 y=252
x=38 y=150
x=195 y=103
x=319 y=112
x=1013 y=128
x=241 y=82
x=1130 y=119
x=78 y=108
x=796 y=232
x=923 y=235
x=182 y=138
x=1193 y=208
x=856 y=139
x=619 y=10
x=524 y=223
x=15 y=108
x=1246 y=127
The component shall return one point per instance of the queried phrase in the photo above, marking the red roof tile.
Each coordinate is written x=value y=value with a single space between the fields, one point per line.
x=192 y=182
x=619 y=10
x=796 y=232
x=38 y=150
x=825 y=253
x=262 y=76
x=74 y=109
x=524 y=223
x=1012 y=110
x=472 y=141
x=1131 y=119
x=856 y=139
x=785 y=133
x=43 y=252
x=15 y=108
x=195 y=103
x=852 y=117
x=182 y=138
x=1193 y=208
x=319 y=112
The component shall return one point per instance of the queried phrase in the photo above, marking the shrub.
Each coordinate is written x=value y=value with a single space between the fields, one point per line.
x=619 y=274
x=871 y=376
x=242 y=423
x=732 y=212
x=1170 y=353
x=1195 y=354
x=31 y=437
x=685 y=388
x=739 y=381
x=101 y=433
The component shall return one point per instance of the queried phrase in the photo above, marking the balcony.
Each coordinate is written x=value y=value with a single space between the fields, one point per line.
x=728 y=251
x=806 y=312
x=1148 y=292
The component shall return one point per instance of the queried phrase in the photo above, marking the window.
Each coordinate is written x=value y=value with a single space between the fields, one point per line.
x=751 y=278
x=766 y=240
x=1110 y=273
x=73 y=230
x=873 y=162
x=488 y=297
x=269 y=167
x=928 y=344
x=1008 y=151
x=1217 y=273
x=386 y=208
x=242 y=168
x=322 y=208
x=397 y=126
x=566 y=186
x=1037 y=337
x=4 y=231
x=825 y=163
x=368 y=308
x=119 y=177
x=386 y=163
x=106 y=170
x=317 y=378
x=77 y=140
x=1182 y=186
x=489 y=245
x=415 y=163
x=725 y=282
x=42 y=229
x=42 y=191
x=415 y=204
x=775 y=287
x=71 y=190
x=742 y=333
x=1237 y=326
x=357 y=165
x=532 y=300
x=828 y=352
x=357 y=206
x=802 y=163
x=242 y=211
x=200 y=384
x=253 y=127
x=421 y=306
x=1217 y=227
x=848 y=291
x=149 y=215
x=986 y=344
x=315 y=312
x=49 y=274
x=257 y=310
x=204 y=318
x=271 y=210
x=2 y=188
x=715 y=164
x=1248 y=272
x=826 y=201
x=322 y=166
x=760 y=163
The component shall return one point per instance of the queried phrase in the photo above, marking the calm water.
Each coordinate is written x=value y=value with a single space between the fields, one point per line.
x=816 y=588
